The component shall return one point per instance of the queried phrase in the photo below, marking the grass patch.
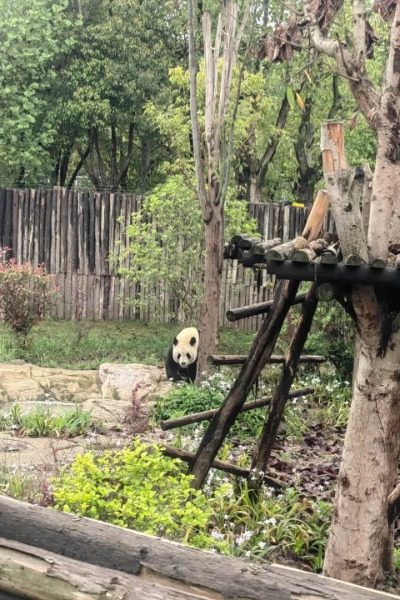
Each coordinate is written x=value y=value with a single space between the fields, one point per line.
x=41 y=423
x=87 y=344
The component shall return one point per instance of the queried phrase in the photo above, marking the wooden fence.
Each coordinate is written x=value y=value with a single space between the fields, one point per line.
x=73 y=233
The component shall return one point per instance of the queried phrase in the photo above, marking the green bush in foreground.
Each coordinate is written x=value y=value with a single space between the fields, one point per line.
x=138 y=488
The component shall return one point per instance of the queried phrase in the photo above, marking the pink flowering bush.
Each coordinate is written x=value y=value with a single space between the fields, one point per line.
x=26 y=293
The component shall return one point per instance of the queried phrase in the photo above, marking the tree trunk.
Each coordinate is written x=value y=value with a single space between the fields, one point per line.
x=368 y=469
x=209 y=312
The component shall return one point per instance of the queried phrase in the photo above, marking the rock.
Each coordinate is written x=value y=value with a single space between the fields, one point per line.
x=24 y=382
x=128 y=382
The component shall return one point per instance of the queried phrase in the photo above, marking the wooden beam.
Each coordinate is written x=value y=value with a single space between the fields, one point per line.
x=172 y=564
x=261 y=350
x=220 y=465
x=363 y=275
x=281 y=394
x=274 y=359
x=242 y=312
x=205 y=415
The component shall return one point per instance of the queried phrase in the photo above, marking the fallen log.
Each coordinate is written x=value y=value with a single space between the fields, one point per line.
x=32 y=573
x=168 y=563
x=239 y=359
x=205 y=415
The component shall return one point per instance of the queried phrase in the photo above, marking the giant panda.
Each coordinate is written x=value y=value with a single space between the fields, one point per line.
x=181 y=361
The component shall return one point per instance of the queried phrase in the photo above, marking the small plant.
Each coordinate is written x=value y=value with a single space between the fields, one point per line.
x=41 y=423
x=286 y=526
x=26 y=293
x=27 y=485
x=137 y=487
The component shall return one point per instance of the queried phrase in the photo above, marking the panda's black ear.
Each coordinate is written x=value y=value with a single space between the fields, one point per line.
x=175 y=342
x=193 y=341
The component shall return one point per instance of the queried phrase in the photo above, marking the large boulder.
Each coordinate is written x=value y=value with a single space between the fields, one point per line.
x=132 y=382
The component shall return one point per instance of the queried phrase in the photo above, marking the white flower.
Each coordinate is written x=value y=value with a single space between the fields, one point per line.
x=270 y=521
x=261 y=545
x=244 y=537
x=217 y=535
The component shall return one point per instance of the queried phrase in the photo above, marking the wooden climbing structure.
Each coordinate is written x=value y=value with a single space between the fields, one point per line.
x=252 y=252
x=335 y=271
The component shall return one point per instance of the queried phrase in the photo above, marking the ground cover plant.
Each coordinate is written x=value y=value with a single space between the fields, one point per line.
x=41 y=422
x=85 y=345
x=140 y=488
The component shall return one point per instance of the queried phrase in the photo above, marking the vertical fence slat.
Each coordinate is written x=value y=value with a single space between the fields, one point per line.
x=74 y=233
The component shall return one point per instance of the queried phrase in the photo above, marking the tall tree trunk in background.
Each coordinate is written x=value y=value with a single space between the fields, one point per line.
x=212 y=150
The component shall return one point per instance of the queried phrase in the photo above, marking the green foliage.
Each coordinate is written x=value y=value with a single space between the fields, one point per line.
x=187 y=398
x=42 y=423
x=136 y=487
x=25 y=485
x=25 y=295
x=332 y=335
x=33 y=33
x=287 y=526
x=165 y=243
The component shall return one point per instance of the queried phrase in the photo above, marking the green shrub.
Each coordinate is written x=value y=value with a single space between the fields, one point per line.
x=139 y=488
x=26 y=293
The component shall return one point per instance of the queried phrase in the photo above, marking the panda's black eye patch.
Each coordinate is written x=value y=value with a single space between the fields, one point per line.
x=188 y=355
x=179 y=355
x=193 y=341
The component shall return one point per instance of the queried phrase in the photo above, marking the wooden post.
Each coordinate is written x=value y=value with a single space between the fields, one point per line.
x=270 y=429
x=259 y=354
x=317 y=215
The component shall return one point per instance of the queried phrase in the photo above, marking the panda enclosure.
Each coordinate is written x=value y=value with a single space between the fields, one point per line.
x=73 y=233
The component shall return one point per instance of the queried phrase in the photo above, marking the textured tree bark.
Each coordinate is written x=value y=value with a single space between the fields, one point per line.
x=360 y=541
x=209 y=315
x=359 y=547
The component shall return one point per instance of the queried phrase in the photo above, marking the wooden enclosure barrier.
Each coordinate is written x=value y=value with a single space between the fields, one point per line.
x=73 y=233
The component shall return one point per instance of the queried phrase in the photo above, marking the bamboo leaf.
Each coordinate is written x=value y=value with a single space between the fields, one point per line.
x=290 y=97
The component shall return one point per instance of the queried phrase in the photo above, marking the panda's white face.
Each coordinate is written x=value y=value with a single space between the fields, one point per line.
x=185 y=349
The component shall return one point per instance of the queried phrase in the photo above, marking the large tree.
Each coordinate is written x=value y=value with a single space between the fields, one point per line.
x=360 y=541
x=212 y=145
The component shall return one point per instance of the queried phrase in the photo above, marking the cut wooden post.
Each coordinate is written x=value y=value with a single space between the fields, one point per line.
x=317 y=215
x=305 y=255
x=285 y=250
x=344 y=190
x=205 y=415
x=270 y=429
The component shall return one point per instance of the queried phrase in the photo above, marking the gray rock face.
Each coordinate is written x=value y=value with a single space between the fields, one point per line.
x=131 y=381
